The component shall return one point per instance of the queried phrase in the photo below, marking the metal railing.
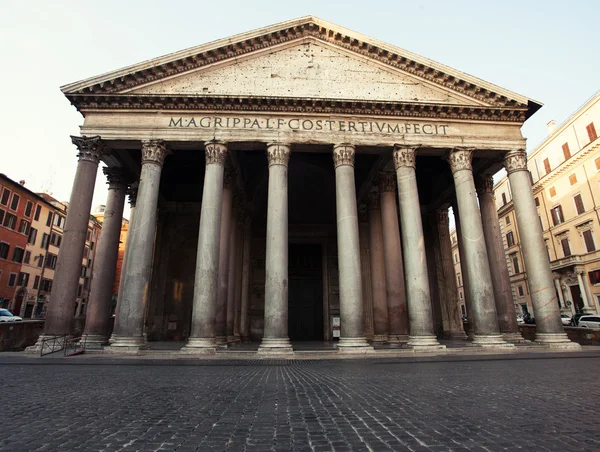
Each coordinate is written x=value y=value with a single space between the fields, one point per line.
x=75 y=345
x=53 y=344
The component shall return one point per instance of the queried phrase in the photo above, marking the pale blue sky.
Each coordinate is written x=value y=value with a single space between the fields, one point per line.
x=546 y=50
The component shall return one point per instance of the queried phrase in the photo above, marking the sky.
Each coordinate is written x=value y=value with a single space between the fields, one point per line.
x=545 y=50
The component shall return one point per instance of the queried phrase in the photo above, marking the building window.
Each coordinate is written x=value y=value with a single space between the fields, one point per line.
x=49 y=220
x=458 y=278
x=520 y=291
x=460 y=294
x=88 y=236
x=579 y=204
x=594 y=276
x=40 y=260
x=46 y=285
x=510 y=239
x=456 y=258
x=547 y=165
x=552 y=192
x=79 y=290
x=10 y=221
x=591 y=131
x=2 y=213
x=50 y=260
x=18 y=255
x=588 y=238
x=32 y=236
x=38 y=210
x=4 y=248
x=566 y=151
x=23 y=279
x=5 y=197
x=597 y=161
x=27 y=257
x=24 y=227
x=59 y=221
x=14 y=204
x=573 y=179
x=45 y=241
x=36 y=282
x=537 y=201
x=56 y=239
x=12 y=279
x=557 y=215
x=28 y=208
x=565 y=247
x=507 y=219
x=515 y=263
x=503 y=199
x=83 y=271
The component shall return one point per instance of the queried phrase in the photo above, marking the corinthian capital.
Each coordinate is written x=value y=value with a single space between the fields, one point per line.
x=154 y=151
x=485 y=184
x=132 y=192
x=90 y=148
x=515 y=161
x=405 y=155
x=115 y=177
x=387 y=182
x=343 y=154
x=278 y=154
x=216 y=152
x=460 y=159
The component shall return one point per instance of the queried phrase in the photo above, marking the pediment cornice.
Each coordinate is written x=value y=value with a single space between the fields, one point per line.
x=238 y=46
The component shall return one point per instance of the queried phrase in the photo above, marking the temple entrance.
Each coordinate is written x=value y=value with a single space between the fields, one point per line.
x=305 y=297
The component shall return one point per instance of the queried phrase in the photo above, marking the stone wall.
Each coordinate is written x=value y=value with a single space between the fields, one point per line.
x=15 y=336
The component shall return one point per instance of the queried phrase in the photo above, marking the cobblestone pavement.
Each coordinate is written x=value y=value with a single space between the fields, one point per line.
x=550 y=403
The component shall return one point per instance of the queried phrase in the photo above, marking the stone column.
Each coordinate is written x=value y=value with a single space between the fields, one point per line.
x=378 y=289
x=224 y=245
x=394 y=267
x=559 y=291
x=59 y=314
x=463 y=272
x=549 y=328
x=453 y=314
x=107 y=252
x=507 y=317
x=485 y=321
x=232 y=275
x=244 y=325
x=239 y=268
x=275 y=339
x=365 y=271
x=352 y=338
x=132 y=192
x=128 y=334
x=417 y=280
x=202 y=337
x=587 y=308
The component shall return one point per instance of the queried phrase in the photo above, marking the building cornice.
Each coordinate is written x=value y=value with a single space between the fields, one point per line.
x=566 y=166
x=309 y=27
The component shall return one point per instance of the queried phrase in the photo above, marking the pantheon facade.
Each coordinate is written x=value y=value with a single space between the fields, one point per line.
x=293 y=183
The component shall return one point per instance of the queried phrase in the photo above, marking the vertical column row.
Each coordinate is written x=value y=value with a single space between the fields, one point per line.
x=378 y=271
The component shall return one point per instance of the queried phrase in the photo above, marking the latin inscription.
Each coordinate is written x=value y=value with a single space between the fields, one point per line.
x=307 y=125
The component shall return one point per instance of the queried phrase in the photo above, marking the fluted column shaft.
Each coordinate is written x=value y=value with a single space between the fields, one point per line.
x=481 y=291
x=275 y=339
x=549 y=328
x=365 y=271
x=107 y=252
x=394 y=267
x=351 y=310
x=507 y=317
x=202 y=337
x=68 y=267
x=244 y=324
x=378 y=288
x=129 y=325
x=233 y=251
x=239 y=269
x=417 y=280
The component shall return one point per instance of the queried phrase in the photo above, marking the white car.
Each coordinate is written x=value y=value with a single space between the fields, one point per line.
x=565 y=319
x=7 y=316
x=589 y=321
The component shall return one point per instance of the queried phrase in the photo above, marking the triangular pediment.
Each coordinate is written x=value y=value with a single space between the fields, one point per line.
x=302 y=58
x=307 y=68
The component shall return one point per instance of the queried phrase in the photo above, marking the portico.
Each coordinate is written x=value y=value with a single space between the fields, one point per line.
x=254 y=156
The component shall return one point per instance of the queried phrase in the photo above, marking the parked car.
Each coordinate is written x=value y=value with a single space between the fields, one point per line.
x=589 y=321
x=7 y=316
x=575 y=318
x=520 y=319
x=565 y=319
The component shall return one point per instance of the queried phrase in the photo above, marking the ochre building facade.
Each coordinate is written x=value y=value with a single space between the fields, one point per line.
x=293 y=183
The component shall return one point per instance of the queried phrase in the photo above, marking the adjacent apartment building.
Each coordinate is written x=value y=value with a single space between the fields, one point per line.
x=31 y=228
x=565 y=171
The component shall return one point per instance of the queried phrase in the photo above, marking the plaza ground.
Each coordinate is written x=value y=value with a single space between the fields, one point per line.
x=527 y=402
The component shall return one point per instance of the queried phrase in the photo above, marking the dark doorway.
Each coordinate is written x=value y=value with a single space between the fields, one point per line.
x=305 y=296
x=577 y=299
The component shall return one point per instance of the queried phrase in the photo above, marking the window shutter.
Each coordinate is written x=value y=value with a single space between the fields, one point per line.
x=547 y=165
x=591 y=130
x=589 y=241
x=579 y=204
x=566 y=151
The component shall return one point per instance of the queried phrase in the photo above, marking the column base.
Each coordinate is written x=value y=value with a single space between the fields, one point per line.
x=94 y=340
x=515 y=338
x=398 y=338
x=556 y=340
x=275 y=346
x=126 y=344
x=380 y=338
x=200 y=346
x=354 y=345
x=230 y=340
x=237 y=339
x=49 y=347
x=425 y=343
x=221 y=341
x=490 y=341
x=458 y=335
